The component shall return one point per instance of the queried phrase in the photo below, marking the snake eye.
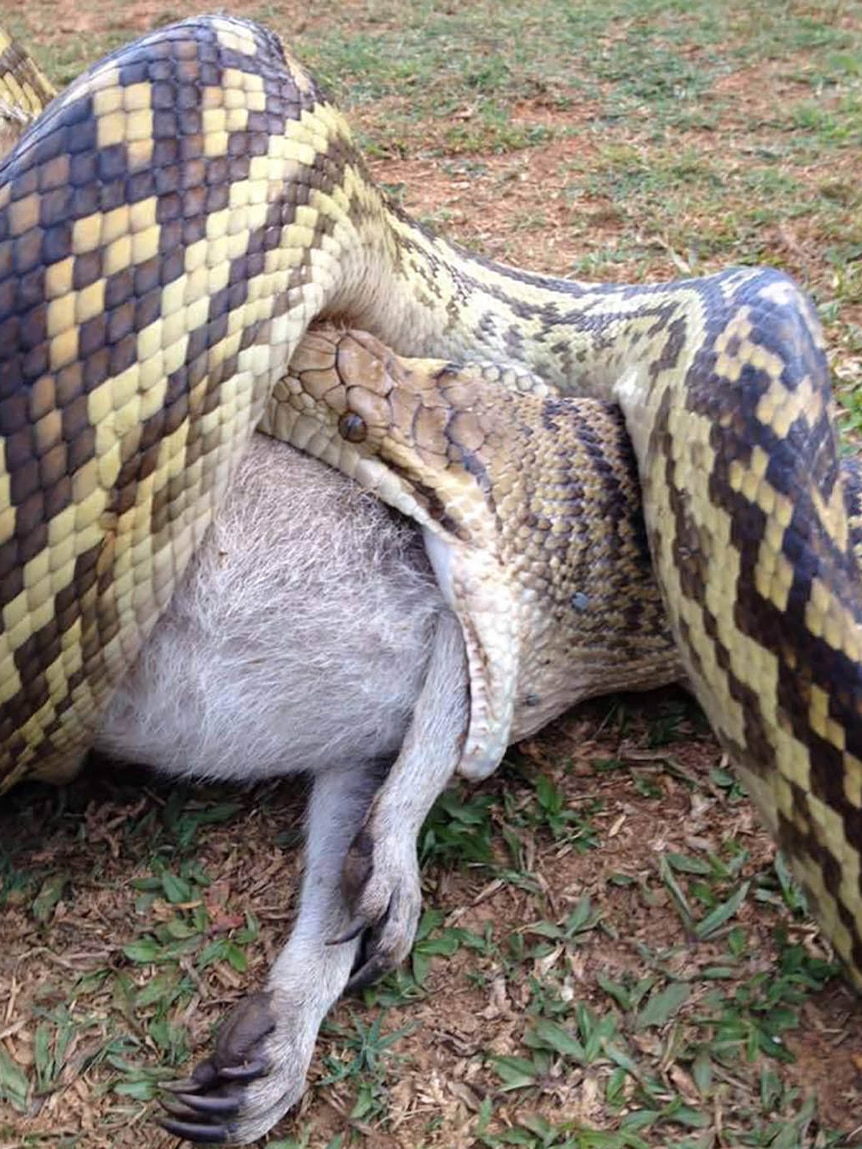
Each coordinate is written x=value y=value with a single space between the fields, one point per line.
x=352 y=427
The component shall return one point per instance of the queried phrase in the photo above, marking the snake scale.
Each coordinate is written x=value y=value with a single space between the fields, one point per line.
x=172 y=225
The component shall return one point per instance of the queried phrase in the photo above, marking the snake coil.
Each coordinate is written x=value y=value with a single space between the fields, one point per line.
x=169 y=229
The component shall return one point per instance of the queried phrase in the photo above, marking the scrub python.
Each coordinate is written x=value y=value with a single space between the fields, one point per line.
x=170 y=228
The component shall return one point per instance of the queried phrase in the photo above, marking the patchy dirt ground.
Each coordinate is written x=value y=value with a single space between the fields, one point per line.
x=68 y=963
x=611 y=958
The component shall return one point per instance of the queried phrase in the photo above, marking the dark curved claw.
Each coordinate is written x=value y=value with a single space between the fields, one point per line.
x=357 y=925
x=179 y=1109
x=371 y=962
x=200 y=1106
x=193 y=1104
x=376 y=966
x=247 y=1072
x=180 y=1085
x=356 y=871
x=200 y=1134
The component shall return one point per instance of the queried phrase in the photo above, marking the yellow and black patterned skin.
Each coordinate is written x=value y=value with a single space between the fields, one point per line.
x=530 y=504
x=24 y=91
x=531 y=495
x=169 y=229
x=149 y=298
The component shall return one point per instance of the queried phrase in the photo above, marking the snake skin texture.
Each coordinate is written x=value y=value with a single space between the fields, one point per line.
x=527 y=500
x=24 y=91
x=169 y=229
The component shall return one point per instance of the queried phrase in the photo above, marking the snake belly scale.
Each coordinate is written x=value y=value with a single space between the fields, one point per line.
x=170 y=228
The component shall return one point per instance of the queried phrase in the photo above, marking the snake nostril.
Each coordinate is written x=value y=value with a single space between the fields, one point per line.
x=352 y=427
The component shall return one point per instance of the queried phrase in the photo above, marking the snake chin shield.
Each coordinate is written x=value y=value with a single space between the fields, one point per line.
x=618 y=485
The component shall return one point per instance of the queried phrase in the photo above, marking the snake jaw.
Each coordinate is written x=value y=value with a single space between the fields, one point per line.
x=474 y=584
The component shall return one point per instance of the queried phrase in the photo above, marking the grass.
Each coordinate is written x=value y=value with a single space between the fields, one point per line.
x=634 y=976
x=610 y=955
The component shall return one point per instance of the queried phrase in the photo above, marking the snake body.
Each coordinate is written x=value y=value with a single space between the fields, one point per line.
x=530 y=504
x=24 y=91
x=169 y=229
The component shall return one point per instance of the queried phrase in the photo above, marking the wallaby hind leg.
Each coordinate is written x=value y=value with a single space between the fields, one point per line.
x=262 y=1052
x=381 y=882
